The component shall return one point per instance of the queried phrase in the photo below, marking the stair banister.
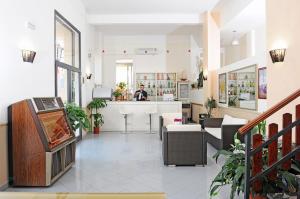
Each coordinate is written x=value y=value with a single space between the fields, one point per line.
x=251 y=151
x=250 y=125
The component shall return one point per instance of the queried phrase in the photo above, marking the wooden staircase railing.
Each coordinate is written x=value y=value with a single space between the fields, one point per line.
x=255 y=145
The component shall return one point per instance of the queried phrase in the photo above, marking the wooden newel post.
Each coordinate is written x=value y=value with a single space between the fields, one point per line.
x=247 y=165
x=273 y=150
x=257 y=162
x=298 y=130
x=287 y=140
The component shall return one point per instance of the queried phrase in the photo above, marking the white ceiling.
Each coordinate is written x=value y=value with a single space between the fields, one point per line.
x=149 y=29
x=148 y=6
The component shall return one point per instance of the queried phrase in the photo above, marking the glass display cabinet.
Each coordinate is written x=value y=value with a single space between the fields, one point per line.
x=157 y=84
x=242 y=88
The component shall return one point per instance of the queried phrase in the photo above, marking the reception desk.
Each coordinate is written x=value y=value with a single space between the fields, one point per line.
x=138 y=119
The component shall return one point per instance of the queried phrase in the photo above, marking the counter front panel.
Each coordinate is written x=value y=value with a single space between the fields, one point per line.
x=138 y=117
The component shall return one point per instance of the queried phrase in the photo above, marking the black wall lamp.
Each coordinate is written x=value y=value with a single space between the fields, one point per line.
x=89 y=76
x=278 y=55
x=28 y=55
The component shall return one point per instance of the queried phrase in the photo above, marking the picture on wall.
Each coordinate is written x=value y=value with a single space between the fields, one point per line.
x=262 y=83
x=222 y=88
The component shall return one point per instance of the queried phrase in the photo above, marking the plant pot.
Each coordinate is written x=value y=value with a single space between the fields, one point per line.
x=96 y=130
x=119 y=98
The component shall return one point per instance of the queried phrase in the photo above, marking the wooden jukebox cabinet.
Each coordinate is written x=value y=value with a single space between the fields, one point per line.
x=41 y=142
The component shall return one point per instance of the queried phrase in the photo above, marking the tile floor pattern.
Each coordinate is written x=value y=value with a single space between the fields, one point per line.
x=116 y=162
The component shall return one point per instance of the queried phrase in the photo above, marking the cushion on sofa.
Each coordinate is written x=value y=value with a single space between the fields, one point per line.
x=228 y=120
x=193 y=127
x=170 y=117
x=216 y=132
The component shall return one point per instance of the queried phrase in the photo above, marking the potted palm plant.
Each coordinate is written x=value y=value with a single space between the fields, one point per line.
x=94 y=107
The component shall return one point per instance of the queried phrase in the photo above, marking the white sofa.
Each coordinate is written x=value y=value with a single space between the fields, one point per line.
x=168 y=119
x=221 y=131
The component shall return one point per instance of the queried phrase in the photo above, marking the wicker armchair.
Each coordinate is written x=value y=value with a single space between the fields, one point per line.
x=182 y=147
x=218 y=135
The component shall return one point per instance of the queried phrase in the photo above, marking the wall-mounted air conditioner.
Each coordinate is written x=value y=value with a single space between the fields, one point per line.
x=146 y=51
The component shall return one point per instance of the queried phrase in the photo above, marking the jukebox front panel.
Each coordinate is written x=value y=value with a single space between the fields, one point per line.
x=56 y=127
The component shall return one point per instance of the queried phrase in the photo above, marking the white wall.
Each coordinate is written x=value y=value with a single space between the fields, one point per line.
x=21 y=80
x=178 y=58
x=114 y=47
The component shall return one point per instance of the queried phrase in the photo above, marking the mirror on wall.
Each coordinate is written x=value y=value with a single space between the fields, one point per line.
x=242 y=88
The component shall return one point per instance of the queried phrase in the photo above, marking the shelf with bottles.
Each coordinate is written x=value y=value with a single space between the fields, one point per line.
x=246 y=83
x=146 y=76
x=151 y=92
x=161 y=92
x=242 y=88
x=246 y=76
x=166 y=84
x=166 y=76
x=157 y=84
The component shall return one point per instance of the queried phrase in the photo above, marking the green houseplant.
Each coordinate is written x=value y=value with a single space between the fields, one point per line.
x=210 y=104
x=94 y=107
x=232 y=173
x=77 y=117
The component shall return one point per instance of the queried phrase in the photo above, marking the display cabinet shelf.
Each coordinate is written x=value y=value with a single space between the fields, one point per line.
x=157 y=84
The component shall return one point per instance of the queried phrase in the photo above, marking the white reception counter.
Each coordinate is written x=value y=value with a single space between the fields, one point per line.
x=138 y=119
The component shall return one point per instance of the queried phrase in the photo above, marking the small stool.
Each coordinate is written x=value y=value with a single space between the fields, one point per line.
x=150 y=111
x=125 y=113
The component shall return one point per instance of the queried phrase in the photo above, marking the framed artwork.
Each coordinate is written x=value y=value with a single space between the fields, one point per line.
x=222 y=88
x=262 y=83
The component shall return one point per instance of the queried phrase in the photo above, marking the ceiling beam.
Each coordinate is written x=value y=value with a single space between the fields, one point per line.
x=145 y=19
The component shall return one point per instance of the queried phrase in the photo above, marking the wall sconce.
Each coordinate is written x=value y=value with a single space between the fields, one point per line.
x=28 y=55
x=89 y=76
x=277 y=55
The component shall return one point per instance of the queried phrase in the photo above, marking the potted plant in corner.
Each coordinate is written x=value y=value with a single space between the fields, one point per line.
x=77 y=117
x=98 y=121
x=94 y=107
x=210 y=104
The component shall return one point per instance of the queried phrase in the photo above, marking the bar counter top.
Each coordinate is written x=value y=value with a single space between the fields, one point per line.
x=144 y=102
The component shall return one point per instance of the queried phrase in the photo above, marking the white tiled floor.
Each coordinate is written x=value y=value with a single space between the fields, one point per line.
x=115 y=162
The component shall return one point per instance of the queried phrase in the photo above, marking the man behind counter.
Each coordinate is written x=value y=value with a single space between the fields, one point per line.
x=141 y=95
